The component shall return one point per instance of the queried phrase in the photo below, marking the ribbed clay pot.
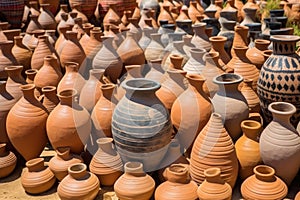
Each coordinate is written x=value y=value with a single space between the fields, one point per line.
x=255 y=54
x=155 y=48
x=251 y=96
x=22 y=53
x=240 y=37
x=50 y=99
x=62 y=160
x=200 y=39
x=195 y=64
x=21 y=131
x=46 y=18
x=217 y=45
x=78 y=184
x=8 y=161
x=6 y=57
x=156 y=72
x=14 y=80
x=36 y=177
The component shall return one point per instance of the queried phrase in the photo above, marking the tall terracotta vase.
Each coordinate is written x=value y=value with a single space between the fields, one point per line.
x=218 y=43
x=8 y=161
x=280 y=132
x=214 y=187
x=247 y=148
x=255 y=54
x=178 y=184
x=200 y=39
x=22 y=53
x=191 y=111
x=20 y=129
x=230 y=103
x=277 y=80
x=240 y=37
x=78 y=184
x=50 y=100
x=63 y=159
x=46 y=18
x=14 y=81
x=134 y=183
x=36 y=177
x=12 y=11
x=145 y=140
x=264 y=184
x=214 y=148
x=251 y=96
x=6 y=57
x=76 y=126
x=195 y=64
x=106 y=163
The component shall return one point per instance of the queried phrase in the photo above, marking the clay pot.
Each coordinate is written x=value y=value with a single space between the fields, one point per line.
x=12 y=11
x=146 y=38
x=124 y=19
x=114 y=31
x=240 y=37
x=195 y=64
x=214 y=186
x=183 y=13
x=6 y=57
x=72 y=50
x=165 y=14
x=14 y=81
x=230 y=103
x=112 y=16
x=32 y=42
x=200 y=39
x=91 y=89
x=280 y=132
x=135 y=28
x=106 y=163
x=36 y=177
x=108 y=59
x=156 y=72
x=63 y=22
x=264 y=185
x=191 y=111
x=63 y=9
x=49 y=74
x=46 y=18
x=71 y=18
x=8 y=161
x=193 y=12
x=63 y=159
x=34 y=24
x=103 y=111
x=20 y=129
x=94 y=45
x=178 y=185
x=247 y=148
x=53 y=5
x=34 y=8
x=21 y=53
x=251 y=96
x=176 y=50
x=76 y=126
x=155 y=48
x=250 y=16
x=227 y=30
x=279 y=84
x=255 y=54
x=78 y=184
x=134 y=183
x=214 y=148
x=78 y=28
x=87 y=6
x=30 y=75
x=50 y=99
x=218 y=43
x=187 y=40
x=151 y=143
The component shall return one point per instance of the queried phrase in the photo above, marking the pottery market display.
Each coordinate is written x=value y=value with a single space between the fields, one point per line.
x=8 y=161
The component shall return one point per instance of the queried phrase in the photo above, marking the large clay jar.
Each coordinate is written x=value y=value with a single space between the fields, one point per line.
x=130 y=52
x=8 y=161
x=230 y=103
x=178 y=184
x=21 y=53
x=108 y=59
x=21 y=131
x=218 y=43
x=46 y=18
x=103 y=111
x=36 y=177
x=50 y=100
x=276 y=137
x=214 y=148
x=62 y=160
x=72 y=79
x=195 y=64
x=191 y=111
x=251 y=96
x=264 y=185
x=214 y=187
x=72 y=50
x=12 y=11
x=78 y=184
x=277 y=80
x=6 y=57
x=106 y=162
x=155 y=48
x=76 y=126
x=255 y=54
x=91 y=91
x=200 y=39
x=247 y=148
x=137 y=136
x=134 y=183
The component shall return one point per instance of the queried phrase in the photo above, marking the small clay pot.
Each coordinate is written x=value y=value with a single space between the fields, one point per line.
x=8 y=161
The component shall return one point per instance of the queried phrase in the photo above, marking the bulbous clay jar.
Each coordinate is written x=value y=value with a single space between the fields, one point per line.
x=8 y=161
x=255 y=54
x=78 y=184
x=14 y=80
x=36 y=177
x=195 y=64
x=22 y=53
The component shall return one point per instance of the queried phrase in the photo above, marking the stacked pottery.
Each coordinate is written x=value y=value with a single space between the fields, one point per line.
x=8 y=161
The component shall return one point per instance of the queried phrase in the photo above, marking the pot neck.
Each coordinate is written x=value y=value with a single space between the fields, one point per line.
x=51 y=61
x=14 y=73
x=67 y=97
x=177 y=173
x=213 y=175
x=240 y=53
x=197 y=54
x=71 y=67
x=78 y=171
x=284 y=47
x=35 y=165
x=261 y=45
x=72 y=36
x=251 y=129
x=64 y=153
x=228 y=82
x=199 y=29
x=50 y=93
x=3 y=151
x=282 y=112
x=241 y=34
x=106 y=145
x=107 y=41
x=28 y=92
x=133 y=71
x=96 y=35
x=96 y=74
x=176 y=62
x=212 y=60
x=264 y=173
x=218 y=43
x=178 y=76
x=18 y=42
x=196 y=83
x=134 y=169
x=6 y=47
x=30 y=74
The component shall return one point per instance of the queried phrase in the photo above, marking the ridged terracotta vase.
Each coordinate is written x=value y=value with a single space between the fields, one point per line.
x=46 y=18
x=63 y=159
x=264 y=184
x=155 y=48
x=6 y=57
x=217 y=45
x=8 y=161
x=200 y=39
x=63 y=9
x=195 y=64
x=247 y=148
x=21 y=131
x=255 y=54
x=106 y=162
x=251 y=96
x=214 y=148
x=240 y=37
x=14 y=80
x=22 y=53
x=214 y=187
x=36 y=177
x=134 y=183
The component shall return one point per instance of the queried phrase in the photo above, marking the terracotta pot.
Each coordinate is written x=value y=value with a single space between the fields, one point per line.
x=30 y=74
x=230 y=103
x=50 y=99
x=112 y=16
x=227 y=30
x=240 y=37
x=106 y=163
x=78 y=184
x=247 y=148
x=200 y=39
x=280 y=83
x=8 y=161
x=193 y=11
x=251 y=96
x=34 y=24
x=274 y=136
x=71 y=18
x=151 y=143
x=87 y=6
x=231 y=7
x=14 y=81
x=183 y=13
x=255 y=54
x=165 y=14
x=63 y=159
x=124 y=19
x=78 y=28
x=176 y=50
x=46 y=18
x=12 y=11
x=155 y=48
x=165 y=30
x=51 y=36
x=114 y=31
x=108 y=59
x=95 y=43
x=188 y=46
x=21 y=53
x=178 y=185
x=31 y=41
x=146 y=38
x=264 y=185
x=250 y=15
x=156 y=72
x=76 y=126
x=134 y=183
x=63 y=9
x=191 y=111
x=218 y=43
x=214 y=186
x=135 y=28
x=148 y=18
x=34 y=8
x=36 y=177
x=53 y=5
x=20 y=129
x=195 y=64
x=221 y=154
x=6 y=57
